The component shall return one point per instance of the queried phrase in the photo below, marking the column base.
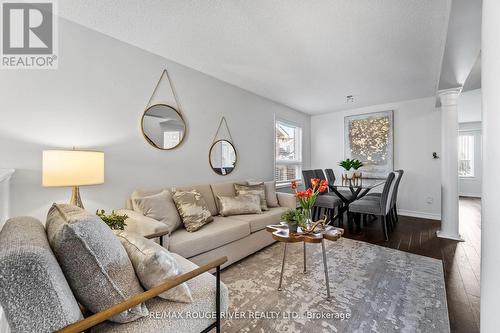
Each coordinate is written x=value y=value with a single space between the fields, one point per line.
x=455 y=237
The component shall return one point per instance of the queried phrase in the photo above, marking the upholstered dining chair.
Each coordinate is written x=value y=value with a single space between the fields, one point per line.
x=394 y=211
x=324 y=201
x=380 y=207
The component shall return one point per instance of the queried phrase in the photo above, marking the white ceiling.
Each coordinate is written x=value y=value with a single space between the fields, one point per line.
x=474 y=79
x=305 y=54
x=463 y=44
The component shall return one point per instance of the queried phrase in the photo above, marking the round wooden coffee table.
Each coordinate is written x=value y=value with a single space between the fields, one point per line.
x=280 y=233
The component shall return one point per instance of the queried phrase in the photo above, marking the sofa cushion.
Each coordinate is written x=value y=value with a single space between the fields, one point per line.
x=223 y=190
x=221 y=231
x=256 y=189
x=93 y=260
x=206 y=193
x=270 y=189
x=240 y=204
x=260 y=221
x=193 y=209
x=203 y=291
x=160 y=207
x=153 y=265
x=33 y=290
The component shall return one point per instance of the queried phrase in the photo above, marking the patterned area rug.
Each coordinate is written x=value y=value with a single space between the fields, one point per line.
x=373 y=289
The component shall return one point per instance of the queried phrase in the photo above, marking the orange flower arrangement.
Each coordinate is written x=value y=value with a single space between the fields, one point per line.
x=308 y=197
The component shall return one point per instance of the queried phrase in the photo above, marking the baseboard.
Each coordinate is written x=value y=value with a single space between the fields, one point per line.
x=470 y=195
x=421 y=215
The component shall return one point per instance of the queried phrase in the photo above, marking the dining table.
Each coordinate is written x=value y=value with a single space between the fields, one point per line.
x=358 y=188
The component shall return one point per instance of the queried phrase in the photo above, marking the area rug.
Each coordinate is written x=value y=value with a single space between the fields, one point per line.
x=373 y=289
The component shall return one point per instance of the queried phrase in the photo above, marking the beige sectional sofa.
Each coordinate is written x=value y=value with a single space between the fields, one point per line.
x=235 y=236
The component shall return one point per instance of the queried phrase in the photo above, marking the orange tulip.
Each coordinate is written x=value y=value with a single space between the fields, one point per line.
x=314 y=182
x=294 y=185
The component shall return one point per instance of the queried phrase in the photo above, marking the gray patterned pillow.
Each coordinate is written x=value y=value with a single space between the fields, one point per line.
x=240 y=204
x=270 y=188
x=153 y=265
x=193 y=209
x=94 y=261
x=255 y=189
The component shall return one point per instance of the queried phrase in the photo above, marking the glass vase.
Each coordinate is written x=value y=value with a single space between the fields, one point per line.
x=308 y=222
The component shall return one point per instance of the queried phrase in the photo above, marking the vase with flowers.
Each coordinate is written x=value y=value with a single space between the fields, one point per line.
x=307 y=198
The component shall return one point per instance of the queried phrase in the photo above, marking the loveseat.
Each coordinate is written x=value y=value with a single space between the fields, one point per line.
x=234 y=236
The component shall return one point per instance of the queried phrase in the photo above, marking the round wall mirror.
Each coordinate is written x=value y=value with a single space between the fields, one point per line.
x=223 y=157
x=163 y=126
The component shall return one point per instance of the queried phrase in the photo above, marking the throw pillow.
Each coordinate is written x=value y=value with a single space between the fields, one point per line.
x=270 y=189
x=257 y=189
x=94 y=261
x=193 y=209
x=240 y=204
x=154 y=265
x=160 y=207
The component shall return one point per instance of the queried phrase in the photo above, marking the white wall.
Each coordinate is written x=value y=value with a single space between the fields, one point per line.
x=95 y=100
x=417 y=128
x=490 y=246
x=469 y=106
x=471 y=186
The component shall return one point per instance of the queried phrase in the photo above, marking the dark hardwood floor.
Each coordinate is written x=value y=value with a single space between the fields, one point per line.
x=461 y=260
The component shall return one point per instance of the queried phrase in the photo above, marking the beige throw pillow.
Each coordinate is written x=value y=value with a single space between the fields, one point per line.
x=240 y=204
x=270 y=189
x=256 y=189
x=94 y=261
x=153 y=265
x=160 y=207
x=193 y=209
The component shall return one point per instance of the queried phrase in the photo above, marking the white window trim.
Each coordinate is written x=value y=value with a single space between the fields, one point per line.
x=473 y=133
x=284 y=184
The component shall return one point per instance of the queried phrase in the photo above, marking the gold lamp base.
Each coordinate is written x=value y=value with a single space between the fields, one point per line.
x=76 y=199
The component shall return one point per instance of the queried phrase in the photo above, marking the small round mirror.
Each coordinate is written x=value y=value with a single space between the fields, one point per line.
x=163 y=126
x=222 y=157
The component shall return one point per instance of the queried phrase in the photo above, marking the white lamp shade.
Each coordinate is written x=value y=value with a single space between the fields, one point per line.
x=72 y=168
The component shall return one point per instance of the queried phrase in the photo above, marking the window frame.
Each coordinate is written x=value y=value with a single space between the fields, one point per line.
x=298 y=147
x=467 y=133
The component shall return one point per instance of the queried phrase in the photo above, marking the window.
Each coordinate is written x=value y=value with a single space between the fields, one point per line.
x=466 y=155
x=288 y=154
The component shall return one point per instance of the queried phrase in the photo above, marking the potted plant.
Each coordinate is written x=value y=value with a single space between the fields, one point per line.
x=356 y=165
x=347 y=165
x=292 y=218
x=113 y=220
x=307 y=199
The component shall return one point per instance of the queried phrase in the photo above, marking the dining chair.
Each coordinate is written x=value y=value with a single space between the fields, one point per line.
x=324 y=201
x=395 y=195
x=331 y=212
x=394 y=217
x=380 y=207
x=330 y=176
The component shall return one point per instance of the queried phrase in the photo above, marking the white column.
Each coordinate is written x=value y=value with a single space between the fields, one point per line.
x=5 y=175
x=490 y=224
x=449 y=164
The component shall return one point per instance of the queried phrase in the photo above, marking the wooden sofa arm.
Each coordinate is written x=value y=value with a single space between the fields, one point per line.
x=102 y=316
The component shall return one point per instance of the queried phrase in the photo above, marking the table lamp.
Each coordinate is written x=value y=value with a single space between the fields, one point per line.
x=73 y=168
